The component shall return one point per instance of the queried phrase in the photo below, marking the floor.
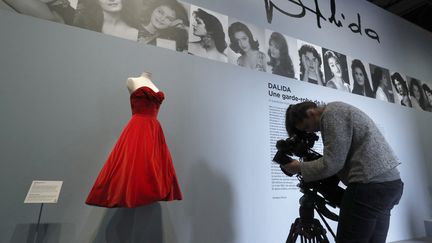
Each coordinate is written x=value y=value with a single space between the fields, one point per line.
x=422 y=240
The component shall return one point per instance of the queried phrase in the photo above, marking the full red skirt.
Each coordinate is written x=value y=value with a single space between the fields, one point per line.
x=139 y=169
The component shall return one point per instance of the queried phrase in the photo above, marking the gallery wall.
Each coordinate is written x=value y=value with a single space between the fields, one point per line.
x=64 y=103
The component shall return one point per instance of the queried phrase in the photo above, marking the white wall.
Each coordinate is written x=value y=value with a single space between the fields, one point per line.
x=64 y=102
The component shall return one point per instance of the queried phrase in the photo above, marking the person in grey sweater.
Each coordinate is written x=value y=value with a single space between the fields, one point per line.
x=358 y=153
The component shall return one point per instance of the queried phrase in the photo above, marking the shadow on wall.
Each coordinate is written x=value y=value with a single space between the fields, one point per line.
x=413 y=218
x=209 y=205
x=131 y=225
x=47 y=233
x=422 y=126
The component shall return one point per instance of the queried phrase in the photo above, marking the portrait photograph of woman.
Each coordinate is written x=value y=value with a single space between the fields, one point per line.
x=164 y=23
x=416 y=94
x=335 y=70
x=111 y=17
x=360 y=78
x=310 y=63
x=60 y=11
x=428 y=97
x=401 y=89
x=381 y=83
x=208 y=34
x=247 y=48
x=280 y=52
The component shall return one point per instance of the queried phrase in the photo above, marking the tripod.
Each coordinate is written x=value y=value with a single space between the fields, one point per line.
x=306 y=226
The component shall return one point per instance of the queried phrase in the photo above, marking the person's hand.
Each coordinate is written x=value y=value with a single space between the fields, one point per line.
x=305 y=68
x=315 y=64
x=292 y=168
x=303 y=57
x=178 y=23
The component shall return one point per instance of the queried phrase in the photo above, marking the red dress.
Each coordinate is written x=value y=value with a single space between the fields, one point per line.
x=139 y=169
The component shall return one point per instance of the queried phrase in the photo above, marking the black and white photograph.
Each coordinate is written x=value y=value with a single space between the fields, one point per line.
x=246 y=47
x=310 y=63
x=208 y=34
x=60 y=11
x=428 y=96
x=335 y=70
x=381 y=83
x=416 y=93
x=112 y=17
x=360 y=78
x=164 y=23
x=400 y=87
x=281 y=54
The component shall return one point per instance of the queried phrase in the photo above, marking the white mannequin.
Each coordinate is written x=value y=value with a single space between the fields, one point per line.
x=138 y=82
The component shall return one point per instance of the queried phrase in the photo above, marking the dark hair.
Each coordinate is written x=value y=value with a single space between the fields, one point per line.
x=285 y=66
x=89 y=15
x=357 y=88
x=427 y=89
x=295 y=114
x=240 y=27
x=302 y=51
x=214 y=29
x=180 y=11
x=416 y=82
x=377 y=76
x=398 y=77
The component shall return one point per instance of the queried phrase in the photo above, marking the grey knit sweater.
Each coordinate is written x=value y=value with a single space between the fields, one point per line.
x=354 y=148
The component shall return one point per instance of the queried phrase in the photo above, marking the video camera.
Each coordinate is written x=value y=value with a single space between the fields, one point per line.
x=299 y=145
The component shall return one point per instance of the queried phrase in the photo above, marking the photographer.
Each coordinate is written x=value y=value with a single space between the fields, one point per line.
x=357 y=152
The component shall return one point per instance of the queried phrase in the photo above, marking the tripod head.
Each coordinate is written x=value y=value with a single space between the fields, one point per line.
x=312 y=200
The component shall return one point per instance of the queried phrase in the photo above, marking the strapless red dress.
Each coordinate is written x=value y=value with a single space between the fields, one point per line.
x=139 y=169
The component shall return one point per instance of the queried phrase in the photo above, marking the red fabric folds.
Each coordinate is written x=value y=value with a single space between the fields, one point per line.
x=139 y=169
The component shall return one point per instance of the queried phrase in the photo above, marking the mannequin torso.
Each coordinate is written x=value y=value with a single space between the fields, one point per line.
x=138 y=82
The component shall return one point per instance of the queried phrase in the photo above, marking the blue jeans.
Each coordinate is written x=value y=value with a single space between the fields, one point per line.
x=365 y=211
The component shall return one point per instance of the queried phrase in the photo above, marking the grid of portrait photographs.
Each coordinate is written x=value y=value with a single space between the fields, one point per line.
x=198 y=31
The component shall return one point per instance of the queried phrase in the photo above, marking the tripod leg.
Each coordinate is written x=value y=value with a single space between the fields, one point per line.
x=293 y=234
x=292 y=239
x=303 y=239
x=325 y=222
x=307 y=231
